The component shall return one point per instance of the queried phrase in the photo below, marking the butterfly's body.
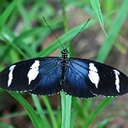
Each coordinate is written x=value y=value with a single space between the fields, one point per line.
x=64 y=62
x=77 y=77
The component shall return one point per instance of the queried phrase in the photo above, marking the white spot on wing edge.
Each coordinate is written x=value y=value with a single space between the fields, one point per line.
x=34 y=71
x=93 y=74
x=10 y=75
x=117 y=80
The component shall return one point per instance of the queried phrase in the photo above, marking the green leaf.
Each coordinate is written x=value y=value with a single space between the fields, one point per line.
x=50 y=111
x=96 y=7
x=113 y=32
x=4 y=125
x=6 y=14
x=104 y=123
x=66 y=111
x=37 y=122
x=40 y=111
x=98 y=109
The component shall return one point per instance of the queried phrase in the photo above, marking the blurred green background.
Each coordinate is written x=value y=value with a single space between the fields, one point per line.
x=25 y=35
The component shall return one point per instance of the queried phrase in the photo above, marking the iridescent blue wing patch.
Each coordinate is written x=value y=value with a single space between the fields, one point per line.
x=50 y=73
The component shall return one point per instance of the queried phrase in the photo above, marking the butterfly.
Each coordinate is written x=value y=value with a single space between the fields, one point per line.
x=76 y=77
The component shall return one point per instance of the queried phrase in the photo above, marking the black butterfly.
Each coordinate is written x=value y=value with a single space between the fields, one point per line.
x=77 y=77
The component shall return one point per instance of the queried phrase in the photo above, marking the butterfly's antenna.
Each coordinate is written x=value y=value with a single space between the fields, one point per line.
x=53 y=32
x=79 y=31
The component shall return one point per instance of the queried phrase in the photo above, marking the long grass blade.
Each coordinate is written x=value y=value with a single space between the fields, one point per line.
x=4 y=125
x=113 y=32
x=7 y=12
x=31 y=112
x=50 y=111
x=96 y=7
x=40 y=111
x=99 y=108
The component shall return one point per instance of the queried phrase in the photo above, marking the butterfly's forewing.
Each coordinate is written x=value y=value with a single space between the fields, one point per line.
x=85 y=78
x=111 y=81
x=30 y=75
x=15 y=76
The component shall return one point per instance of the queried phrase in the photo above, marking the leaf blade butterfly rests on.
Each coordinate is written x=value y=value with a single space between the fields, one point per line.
x=77 y=77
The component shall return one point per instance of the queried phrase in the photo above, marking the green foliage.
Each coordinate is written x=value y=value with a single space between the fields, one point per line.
x=22 y=33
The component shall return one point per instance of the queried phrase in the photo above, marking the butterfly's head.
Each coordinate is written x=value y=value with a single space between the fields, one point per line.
x=64 y=53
